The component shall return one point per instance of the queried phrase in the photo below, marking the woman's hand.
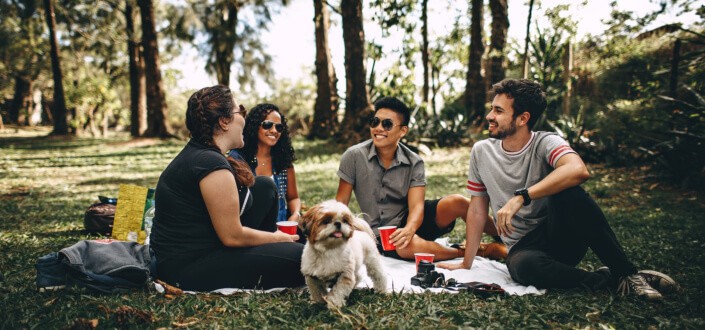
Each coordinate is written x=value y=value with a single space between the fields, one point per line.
x=284 y=237
x=295 y=217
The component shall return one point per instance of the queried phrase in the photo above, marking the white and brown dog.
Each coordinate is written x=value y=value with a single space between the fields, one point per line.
x=338 y=244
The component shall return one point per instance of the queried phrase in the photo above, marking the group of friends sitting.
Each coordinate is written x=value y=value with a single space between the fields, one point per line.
x=220 y=198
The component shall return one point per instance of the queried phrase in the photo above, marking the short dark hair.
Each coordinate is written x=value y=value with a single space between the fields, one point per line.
x=394 y=104
x=527 y=95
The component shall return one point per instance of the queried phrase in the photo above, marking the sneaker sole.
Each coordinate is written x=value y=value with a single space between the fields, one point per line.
x=51 y=288
x=665 y=283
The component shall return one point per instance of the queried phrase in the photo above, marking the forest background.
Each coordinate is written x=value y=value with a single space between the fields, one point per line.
x=631 y=94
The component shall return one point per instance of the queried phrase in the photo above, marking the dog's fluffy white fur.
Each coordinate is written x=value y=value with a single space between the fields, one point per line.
x=338 y=244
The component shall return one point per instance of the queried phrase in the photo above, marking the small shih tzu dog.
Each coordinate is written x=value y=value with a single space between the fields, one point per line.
x=338 y=244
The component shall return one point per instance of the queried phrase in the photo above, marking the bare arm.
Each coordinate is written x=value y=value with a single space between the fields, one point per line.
x=344 y=192
x=570 y=171
x=220 y=194
x=415 y=199
x=475 y=221
x=293 y=202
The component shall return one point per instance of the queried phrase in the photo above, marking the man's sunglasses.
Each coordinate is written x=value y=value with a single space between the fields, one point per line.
x=387 y=124
x=267 y=125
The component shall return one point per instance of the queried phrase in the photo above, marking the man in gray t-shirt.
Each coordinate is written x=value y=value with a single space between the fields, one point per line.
x=389 y=183
x=532 y=181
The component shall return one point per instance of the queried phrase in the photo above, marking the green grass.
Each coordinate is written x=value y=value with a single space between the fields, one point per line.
x=46 y=184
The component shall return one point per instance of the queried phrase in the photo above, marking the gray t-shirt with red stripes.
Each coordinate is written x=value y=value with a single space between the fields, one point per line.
x=497 y=173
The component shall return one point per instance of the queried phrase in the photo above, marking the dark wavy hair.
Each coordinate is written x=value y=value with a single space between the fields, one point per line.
x=528 y=97
x=283 y=155
x=204 y=110
x=396 y=105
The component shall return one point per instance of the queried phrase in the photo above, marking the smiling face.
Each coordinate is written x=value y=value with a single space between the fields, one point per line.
x=233 y=127
x=383 y=138
x=270 y=137
x=501 y=119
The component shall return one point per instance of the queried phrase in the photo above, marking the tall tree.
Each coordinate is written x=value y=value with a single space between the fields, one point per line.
x=138 y=110
x=525 y=66
x=60 y=123
x=424 y=51
x=220 y=23
x=326 y=108
x=357 y=101
x=475 y=93
x=157 y=112
x=498 y=40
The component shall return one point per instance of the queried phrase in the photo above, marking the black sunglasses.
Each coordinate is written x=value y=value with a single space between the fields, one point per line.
x=387 y=124
x=267 y=125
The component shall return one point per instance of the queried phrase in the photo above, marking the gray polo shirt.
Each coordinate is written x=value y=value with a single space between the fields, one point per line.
x=382 y=193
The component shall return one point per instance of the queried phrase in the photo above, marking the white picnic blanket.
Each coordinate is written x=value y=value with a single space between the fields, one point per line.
x=399 y=273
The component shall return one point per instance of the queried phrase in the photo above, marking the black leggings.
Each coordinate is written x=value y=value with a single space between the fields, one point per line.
x=263 y=267
x=546 y=257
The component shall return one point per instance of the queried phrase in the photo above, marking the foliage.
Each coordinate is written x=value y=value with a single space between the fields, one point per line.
x=43 y=199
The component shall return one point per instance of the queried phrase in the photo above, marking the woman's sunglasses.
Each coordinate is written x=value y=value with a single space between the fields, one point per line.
x=267 y=125
x=242 y=111
x=387 y=124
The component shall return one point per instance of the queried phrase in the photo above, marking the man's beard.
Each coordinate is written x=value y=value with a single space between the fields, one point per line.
x=501 y=134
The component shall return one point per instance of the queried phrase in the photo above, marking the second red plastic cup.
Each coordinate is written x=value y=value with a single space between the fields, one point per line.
x=384 y=233
x=288 y=227
x=423 y=256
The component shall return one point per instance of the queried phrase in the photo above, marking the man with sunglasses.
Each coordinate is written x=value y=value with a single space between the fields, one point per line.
x=389 y=182
x=532 y=182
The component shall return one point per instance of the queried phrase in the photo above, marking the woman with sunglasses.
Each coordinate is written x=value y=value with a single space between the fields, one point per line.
x=215 y=223
x=269 y=152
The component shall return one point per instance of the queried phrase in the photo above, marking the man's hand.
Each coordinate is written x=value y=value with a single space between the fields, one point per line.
x=402 y=237
x=452 y=266
x=506 y=213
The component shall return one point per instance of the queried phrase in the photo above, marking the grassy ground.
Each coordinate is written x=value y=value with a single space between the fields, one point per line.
x=46 y=184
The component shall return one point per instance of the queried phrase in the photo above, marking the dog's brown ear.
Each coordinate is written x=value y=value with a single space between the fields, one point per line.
x=307 y=219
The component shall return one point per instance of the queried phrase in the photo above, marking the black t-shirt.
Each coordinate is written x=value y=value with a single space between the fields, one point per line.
x=182 y=229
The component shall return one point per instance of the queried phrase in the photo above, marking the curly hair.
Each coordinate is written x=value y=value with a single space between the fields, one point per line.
x=204 y=110
x=527 y=95
x=283 y=155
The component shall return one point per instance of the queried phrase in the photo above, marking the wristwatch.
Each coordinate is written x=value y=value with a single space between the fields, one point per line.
x=525 y=194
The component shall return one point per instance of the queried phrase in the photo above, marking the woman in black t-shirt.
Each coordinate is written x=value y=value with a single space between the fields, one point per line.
x=214 y=225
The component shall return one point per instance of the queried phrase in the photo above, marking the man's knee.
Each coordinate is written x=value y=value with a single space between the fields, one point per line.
x=527 y=267
x=455 y=205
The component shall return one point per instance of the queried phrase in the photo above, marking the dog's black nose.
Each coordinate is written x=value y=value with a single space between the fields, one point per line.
x=338 y=224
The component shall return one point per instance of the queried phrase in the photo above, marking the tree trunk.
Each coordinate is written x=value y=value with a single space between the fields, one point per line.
x=138 y=108
x=498 y=40
x=157 y=112
x=475 y=92
x=223 y=38
x=357 y=101
x=60 y=123
x=567 y=69
x=424 y=51
x=673 y=79
x=19 y=101
x=325 y=113
x=525 y=66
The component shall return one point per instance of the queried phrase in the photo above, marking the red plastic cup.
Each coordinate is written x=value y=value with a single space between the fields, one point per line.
x=288 y=227
x=423 y=256
x=384 y=233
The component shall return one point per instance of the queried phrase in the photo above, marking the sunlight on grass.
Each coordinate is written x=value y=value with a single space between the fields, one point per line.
x=47 y=183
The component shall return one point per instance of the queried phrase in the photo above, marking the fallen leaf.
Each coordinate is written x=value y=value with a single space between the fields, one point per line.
x=188 y=322
x=651 y=187
x=84 y=324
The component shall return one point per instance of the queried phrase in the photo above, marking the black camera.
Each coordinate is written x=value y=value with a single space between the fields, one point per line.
x=427 y=276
